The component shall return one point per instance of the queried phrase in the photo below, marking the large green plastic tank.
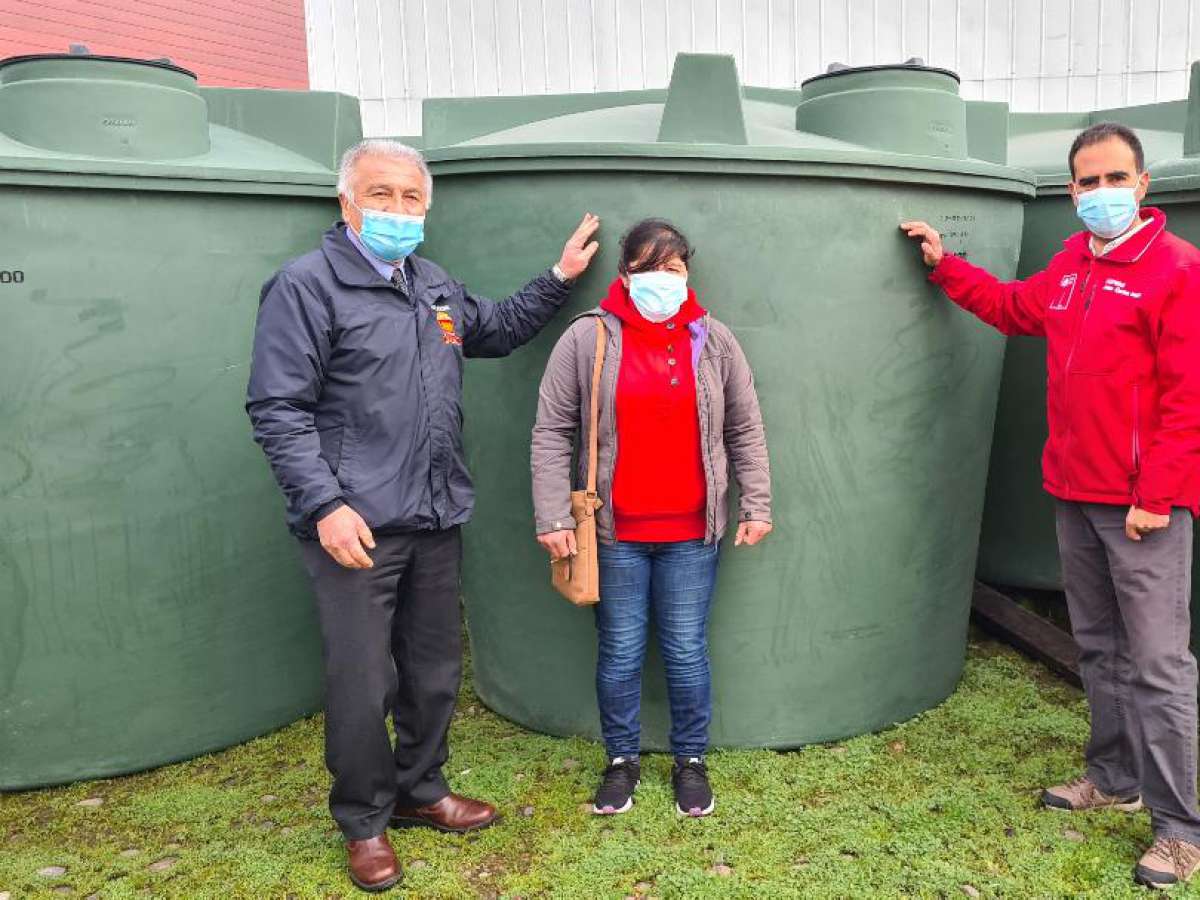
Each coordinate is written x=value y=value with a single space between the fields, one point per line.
x=1018 y=546
x=878 y=394
x=152 y=603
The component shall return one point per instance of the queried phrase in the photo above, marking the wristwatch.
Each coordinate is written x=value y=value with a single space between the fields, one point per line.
x=560 y=274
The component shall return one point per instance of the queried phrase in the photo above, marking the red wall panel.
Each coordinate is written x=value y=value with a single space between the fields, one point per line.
x=231 y=43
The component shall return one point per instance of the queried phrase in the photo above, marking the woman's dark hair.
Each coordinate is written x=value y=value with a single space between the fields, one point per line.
x=649 y=244
x=1103 y=131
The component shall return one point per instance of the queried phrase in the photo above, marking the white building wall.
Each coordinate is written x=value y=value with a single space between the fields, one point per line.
x=1036 y=54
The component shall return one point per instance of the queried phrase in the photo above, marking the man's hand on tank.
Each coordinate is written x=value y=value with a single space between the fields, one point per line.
x=578 y=252
x=1139 y=522
x=931 y=241
x=558 y=544
x=346 y=537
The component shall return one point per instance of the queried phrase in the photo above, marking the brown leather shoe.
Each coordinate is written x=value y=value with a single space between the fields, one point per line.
x=1168 y=862
x=453 y=813
x=373 y=864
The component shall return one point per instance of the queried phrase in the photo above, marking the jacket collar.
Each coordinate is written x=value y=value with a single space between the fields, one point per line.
x=1131 y=250
x=352 y=269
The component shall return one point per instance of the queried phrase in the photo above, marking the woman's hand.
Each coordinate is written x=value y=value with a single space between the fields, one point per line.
x=558 y=544
x=750 y=533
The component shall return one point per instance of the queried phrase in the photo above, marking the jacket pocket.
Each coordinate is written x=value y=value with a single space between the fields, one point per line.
x=331 y=446
x=1100 y=454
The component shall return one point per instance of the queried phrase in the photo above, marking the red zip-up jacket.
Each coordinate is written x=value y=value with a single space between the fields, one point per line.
x=1123 y=362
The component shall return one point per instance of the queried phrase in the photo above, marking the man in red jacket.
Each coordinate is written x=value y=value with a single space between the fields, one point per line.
x=1119 y=307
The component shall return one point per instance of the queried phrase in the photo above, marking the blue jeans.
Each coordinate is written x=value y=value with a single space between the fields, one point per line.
x=674 y=581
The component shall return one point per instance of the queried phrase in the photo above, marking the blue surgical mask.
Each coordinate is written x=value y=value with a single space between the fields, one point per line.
x=1108 y=211
x=657 y=295
x=390 y=236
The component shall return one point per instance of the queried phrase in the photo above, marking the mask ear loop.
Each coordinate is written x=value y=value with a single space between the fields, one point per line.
x=357 y=232
x=361 y=214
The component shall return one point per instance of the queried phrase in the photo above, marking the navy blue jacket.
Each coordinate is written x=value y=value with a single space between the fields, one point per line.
x=355 y=389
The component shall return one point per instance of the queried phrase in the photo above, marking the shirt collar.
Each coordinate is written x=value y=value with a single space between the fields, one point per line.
x=383 y=267
x=1117 y=242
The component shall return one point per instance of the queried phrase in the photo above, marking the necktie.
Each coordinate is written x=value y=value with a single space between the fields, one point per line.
x=399 y=282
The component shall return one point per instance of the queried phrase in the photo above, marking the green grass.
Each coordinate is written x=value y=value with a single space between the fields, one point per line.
x=937 y=806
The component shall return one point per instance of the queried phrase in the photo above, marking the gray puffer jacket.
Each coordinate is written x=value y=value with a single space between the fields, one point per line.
x=731 y=427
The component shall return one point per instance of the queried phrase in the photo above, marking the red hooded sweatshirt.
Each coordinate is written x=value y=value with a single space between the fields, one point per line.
x=1122 y=357
x=659 y=492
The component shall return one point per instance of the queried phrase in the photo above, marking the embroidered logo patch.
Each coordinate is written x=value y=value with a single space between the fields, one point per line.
x=1118 y=287
x=1066 y=289
x=446 y=323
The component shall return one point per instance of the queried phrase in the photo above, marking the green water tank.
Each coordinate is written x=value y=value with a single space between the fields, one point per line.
x=1017 y=545
x=153 y=604
x=878 y=394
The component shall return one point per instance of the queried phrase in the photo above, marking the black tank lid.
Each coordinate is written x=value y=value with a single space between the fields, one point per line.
x=915 y=64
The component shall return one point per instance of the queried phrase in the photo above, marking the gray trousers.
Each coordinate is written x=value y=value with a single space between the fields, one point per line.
x=391 y=638
x=1129 y=603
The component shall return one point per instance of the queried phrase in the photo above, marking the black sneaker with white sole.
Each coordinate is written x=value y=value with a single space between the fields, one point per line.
x=615 y=794
x=693 y=794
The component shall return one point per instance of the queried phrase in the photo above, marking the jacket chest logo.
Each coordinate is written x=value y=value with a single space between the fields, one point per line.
x=446 y=324
x=1116 y=286
x=1066 y=288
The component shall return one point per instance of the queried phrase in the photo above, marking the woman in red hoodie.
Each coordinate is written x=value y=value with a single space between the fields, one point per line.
x=677 y=398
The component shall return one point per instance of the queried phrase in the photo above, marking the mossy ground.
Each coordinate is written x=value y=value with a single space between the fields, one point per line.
x=943 y=805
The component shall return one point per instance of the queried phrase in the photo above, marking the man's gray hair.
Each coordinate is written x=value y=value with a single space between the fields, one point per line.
x=381 y=147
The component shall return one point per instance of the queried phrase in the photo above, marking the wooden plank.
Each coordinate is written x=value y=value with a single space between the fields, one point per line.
x=1027 y=631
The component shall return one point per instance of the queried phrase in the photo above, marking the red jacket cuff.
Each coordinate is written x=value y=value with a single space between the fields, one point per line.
x=943 y=269
x=1152 y=506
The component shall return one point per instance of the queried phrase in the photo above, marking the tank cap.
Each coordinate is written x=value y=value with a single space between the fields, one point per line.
x=79 y=55
x=914 y=63
x=904 y=107
x=103 y=106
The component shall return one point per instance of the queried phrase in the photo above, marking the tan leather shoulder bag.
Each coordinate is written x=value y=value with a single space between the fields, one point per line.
x=578 y=577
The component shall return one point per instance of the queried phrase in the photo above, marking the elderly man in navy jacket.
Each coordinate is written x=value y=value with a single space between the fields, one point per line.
x=355 y=395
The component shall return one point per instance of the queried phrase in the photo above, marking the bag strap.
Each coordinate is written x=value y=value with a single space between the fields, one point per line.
x=594 y=418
